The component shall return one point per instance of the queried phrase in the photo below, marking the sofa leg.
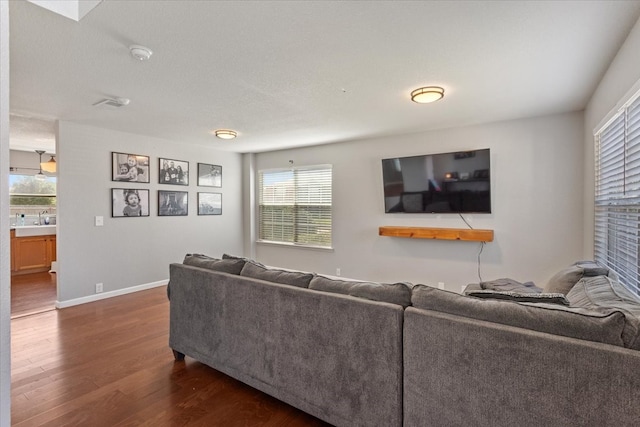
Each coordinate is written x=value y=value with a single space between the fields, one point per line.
x=178 y=356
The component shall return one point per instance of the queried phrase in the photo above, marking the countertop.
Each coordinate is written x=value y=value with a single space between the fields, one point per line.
x=34 y=230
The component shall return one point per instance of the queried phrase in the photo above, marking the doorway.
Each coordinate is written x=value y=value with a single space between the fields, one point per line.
x=32 y=293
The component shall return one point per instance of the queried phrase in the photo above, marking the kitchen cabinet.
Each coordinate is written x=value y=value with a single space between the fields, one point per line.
x=32 y=254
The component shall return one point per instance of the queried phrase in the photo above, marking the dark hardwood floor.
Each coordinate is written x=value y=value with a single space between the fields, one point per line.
x=108 y=363
x=32 y=293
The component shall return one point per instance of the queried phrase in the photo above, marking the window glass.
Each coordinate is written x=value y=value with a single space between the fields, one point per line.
x=32 y=197
x=617 y=195
x=295 y=206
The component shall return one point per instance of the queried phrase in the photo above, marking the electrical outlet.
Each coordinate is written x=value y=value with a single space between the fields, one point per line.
x=440 y=285
x=98 y=288
x=338 y=271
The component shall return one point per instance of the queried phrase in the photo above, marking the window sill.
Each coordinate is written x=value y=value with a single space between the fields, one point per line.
x=295 y=245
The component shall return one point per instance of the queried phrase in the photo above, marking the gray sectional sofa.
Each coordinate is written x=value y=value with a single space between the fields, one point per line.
x=370 y=354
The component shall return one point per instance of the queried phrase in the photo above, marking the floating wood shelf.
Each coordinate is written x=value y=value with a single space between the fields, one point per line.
x=437 y=233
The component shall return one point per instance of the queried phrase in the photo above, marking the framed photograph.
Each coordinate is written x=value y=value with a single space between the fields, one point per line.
x=173 y=203
x=129 y=167
x=209 y=175
x=209 y=203
x=174 y=172
x=129 y=202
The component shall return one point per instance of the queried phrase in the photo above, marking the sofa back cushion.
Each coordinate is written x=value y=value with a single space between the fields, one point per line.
x=601 y=325
x=232 y=266
x=394 y=293
x=227 y=256
x=565 y=279
x=604 y=292
x=284 y=277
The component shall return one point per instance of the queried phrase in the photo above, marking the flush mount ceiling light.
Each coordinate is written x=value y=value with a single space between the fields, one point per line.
x=427 y=94
x=49 y=166
x=226 y=133
x=140 y=53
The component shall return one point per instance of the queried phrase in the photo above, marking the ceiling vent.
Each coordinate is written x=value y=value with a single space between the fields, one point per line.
x=141 y=53
x=113 y=102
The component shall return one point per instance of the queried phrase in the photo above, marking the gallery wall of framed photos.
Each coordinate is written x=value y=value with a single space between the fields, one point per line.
x=135 y=201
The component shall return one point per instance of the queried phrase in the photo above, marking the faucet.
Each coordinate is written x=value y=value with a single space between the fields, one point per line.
x=40 y=217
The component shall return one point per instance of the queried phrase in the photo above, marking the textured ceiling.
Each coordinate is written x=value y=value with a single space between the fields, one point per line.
x=287 y=74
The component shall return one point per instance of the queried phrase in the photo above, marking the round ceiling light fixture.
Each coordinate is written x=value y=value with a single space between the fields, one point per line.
x=427 y=94
x=226 y=133
x=141 y=53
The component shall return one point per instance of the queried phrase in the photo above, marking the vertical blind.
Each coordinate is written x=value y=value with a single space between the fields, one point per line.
x=295 y=206
x=617 y=198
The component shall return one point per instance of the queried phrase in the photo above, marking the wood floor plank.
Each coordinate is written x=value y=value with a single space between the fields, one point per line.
x=108 y=363
x=32 y=293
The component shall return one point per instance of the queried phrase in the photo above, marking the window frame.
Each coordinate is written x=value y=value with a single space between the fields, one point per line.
x=53 y=196
x=616 y=238
x=300 y=174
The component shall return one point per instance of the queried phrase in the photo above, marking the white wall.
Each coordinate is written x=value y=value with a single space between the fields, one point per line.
x=621 y=80
x=129 y=252
x=5 y=278
x=536 y=167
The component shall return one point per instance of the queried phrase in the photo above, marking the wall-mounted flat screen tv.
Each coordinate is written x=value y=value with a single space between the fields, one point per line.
x=456 y=182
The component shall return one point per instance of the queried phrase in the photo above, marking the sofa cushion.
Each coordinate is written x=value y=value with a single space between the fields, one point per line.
x=510 y=285
x=395 y=293
x=566 y=278
x=604 y=292
x=293 y=278
x=233 y=266
x=535 y=297
x=227 y=256
x=601 y=325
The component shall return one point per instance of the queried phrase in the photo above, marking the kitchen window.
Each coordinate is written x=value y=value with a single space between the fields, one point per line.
x=32 y=196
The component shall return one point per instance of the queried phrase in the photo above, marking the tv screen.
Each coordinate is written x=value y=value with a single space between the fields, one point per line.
x=457 y=182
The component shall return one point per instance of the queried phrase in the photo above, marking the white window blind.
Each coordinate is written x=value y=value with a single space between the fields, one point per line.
x=617 y=198
x=295 y=206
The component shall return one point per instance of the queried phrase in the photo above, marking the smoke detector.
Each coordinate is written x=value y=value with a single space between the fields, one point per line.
x=113 y=102
x=140 y=53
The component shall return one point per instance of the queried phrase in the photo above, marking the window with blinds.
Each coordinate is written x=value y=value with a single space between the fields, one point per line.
x=295 y=206
x=617 y=198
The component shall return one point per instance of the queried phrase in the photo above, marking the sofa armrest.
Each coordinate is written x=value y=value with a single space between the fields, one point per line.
x=460 y=371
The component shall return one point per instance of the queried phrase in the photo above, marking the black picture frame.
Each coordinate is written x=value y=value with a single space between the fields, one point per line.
x=128 y=167
x=173 y=203
x=209 y=203
x=209 y=175
x=123 y=204
x=172 y=171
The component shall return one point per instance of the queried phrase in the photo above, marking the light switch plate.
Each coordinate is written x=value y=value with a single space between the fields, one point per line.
x=99 y=221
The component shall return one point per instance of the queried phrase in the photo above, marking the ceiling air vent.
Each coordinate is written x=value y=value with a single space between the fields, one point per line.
x=113 y=102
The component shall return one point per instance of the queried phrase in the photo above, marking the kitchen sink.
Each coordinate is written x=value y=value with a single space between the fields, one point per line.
x=34 y=230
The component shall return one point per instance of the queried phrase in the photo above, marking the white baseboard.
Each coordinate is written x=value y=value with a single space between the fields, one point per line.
x=111 y=294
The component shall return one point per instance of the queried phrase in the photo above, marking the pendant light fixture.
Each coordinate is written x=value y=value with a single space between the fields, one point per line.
x=49 y=166
x=40 y=175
